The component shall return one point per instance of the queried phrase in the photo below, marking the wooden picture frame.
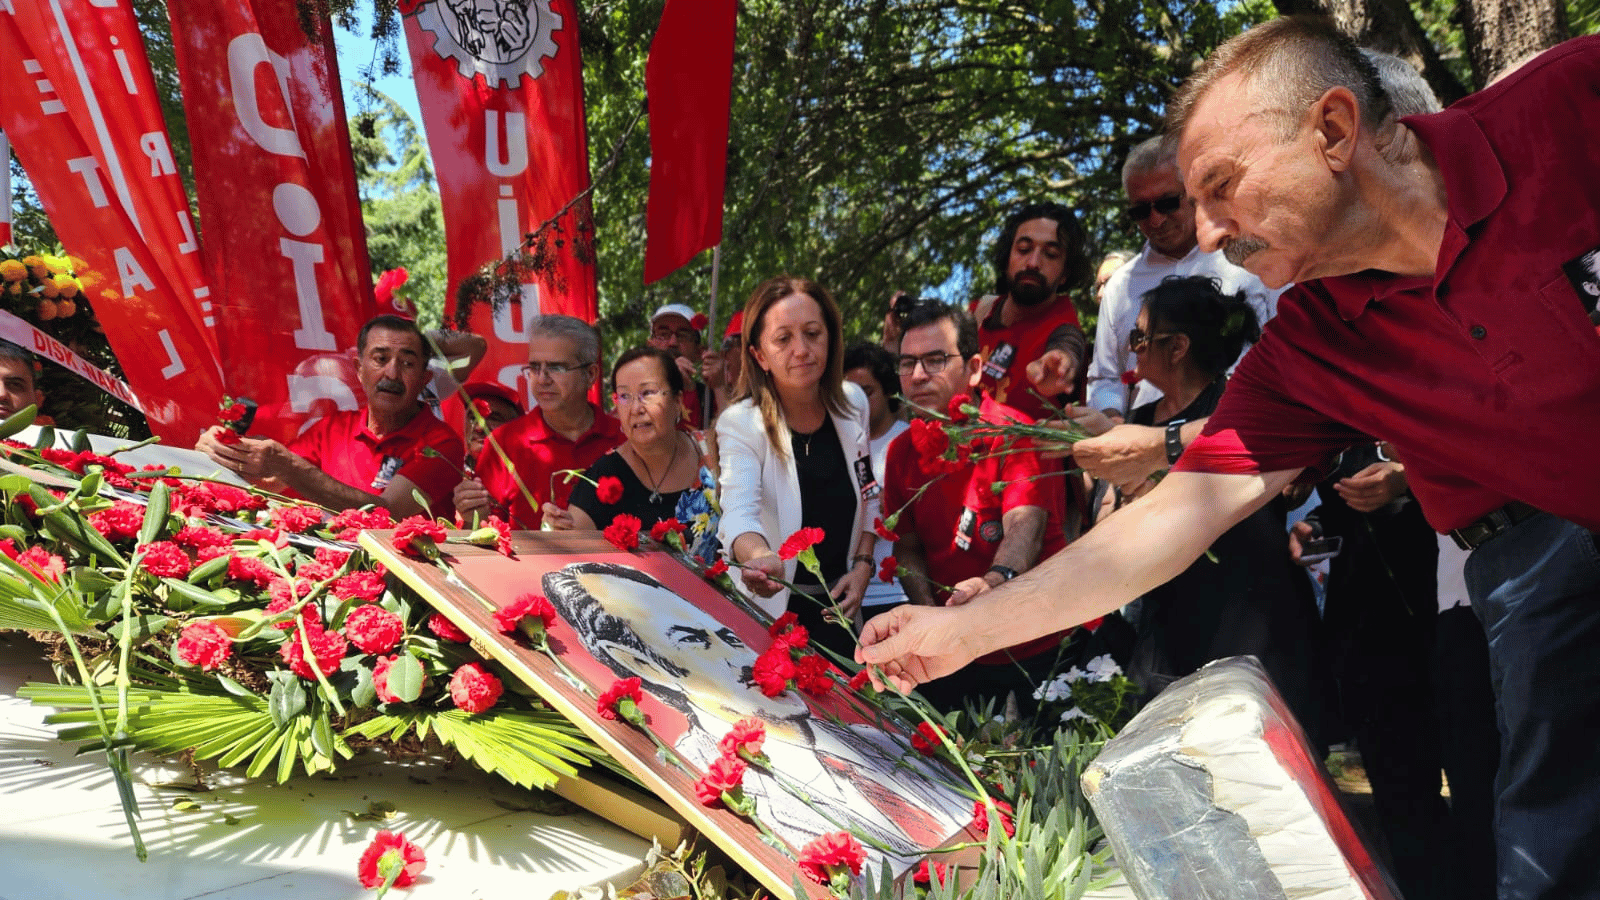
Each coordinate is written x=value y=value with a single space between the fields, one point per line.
x=648 y=614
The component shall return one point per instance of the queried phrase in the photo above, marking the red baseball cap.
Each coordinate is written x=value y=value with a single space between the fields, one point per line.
x=735 y=325
x=495 y=389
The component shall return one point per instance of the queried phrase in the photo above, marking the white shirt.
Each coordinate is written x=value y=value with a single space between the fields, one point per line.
x=878 y=592
x=1119 y=312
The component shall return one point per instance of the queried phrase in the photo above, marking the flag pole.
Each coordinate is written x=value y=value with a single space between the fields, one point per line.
x=711 y=331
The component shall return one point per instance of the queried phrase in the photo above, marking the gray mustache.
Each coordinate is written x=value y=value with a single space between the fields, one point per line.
x=1240 y=249
x=390 y=386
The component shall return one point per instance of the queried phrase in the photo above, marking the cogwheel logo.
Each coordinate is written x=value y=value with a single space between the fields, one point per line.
x=502 y=40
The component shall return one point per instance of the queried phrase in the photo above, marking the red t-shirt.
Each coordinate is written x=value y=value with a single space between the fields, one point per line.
x=958 y=517
x=342 y=445
x=1485 y=377
x=538 y=452
x=1006 y=351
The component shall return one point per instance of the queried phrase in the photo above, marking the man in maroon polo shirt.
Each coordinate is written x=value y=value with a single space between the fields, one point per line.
x=958 y=538
x=562 y=431
x=1440 y=305
x=368 y=456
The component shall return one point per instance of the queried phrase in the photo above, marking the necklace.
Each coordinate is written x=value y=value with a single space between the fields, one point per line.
x=655 y=492
x=806 y=438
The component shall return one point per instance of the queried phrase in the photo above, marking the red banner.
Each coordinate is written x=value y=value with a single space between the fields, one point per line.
x=501 y=89
x=282 y=222
x=82 y=110
x=689 y=81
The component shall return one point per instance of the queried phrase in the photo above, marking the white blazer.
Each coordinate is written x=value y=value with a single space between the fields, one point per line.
x=760 y=490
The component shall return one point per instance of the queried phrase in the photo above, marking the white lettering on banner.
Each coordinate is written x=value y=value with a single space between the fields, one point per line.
x=189 y=244
x=51 y=104
x=305 y=390
x=6 y=7
x=510 y=222
x=103 y=4
x=511 y=319
x=102 y=130
x=174 y=366
x=132 y=274
x=208 y=320
x=312 y=334
x=511 y=377
x=154 y=145
x=121 y=57
x=506 y=151
x=87 y=167
x=245 y=53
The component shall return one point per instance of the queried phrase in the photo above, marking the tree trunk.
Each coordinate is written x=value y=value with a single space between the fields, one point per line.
x=1501 y=34
x=1391 y=27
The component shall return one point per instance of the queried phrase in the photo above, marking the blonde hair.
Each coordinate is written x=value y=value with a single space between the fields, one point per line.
x=756 y=383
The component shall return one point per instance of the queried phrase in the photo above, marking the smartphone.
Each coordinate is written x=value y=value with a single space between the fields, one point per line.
x=242 y=424
x=1315 y=551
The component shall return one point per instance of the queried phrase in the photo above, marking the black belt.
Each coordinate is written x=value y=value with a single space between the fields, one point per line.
x=1480 y=532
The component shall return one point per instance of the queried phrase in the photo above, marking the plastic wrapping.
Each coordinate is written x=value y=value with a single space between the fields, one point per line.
x=1212 y=791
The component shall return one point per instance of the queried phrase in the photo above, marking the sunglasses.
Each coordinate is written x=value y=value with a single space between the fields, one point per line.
x=1138 y=340
x=1167 y=205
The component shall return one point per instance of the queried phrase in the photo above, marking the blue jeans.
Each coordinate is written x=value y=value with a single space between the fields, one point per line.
x=1536 y=588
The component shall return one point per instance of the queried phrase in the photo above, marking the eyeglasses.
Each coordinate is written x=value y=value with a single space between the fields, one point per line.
x=554 y=370
x=1138 y=340
x=649 y=397
x=732 y=342
x=932 y=363
x=1167 y=205
x=688 y=335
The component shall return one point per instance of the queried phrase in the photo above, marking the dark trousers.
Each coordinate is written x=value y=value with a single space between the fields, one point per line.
x=1469 y=747
x=1536 y=589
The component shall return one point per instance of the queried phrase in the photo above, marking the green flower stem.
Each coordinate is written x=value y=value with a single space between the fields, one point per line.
x=488 y=436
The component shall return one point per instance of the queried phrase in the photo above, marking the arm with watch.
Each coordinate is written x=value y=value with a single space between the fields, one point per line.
x=1128 y=454
x=1017 y=553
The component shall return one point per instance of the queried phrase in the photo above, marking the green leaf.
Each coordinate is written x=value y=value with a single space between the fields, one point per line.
x=18 y=420
x=90 y=580
x=365 y=692
x=80 y=441
x=195 y=594
x=405 y=678
x=287 y=699
x=155 y=514
x=322 y=731
x=207 y=570
x=15 y=484
x=47 y=437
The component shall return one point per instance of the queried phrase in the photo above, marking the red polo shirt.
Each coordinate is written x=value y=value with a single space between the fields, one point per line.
x=1485 y=377
x=1006 y=351
x=538 y=452
x=958 y=516
x=342 y=445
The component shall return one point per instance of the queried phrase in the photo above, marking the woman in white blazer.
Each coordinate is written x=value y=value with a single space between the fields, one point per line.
x=795 y=452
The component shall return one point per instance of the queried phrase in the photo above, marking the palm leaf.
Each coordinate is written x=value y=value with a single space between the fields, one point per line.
x=530 y=748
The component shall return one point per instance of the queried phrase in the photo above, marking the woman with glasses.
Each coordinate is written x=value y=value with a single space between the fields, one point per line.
x=661 y=467
x=1245 y=596
x=796 y=453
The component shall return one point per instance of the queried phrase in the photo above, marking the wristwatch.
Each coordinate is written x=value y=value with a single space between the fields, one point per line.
x=1006 y=573
x=1175 y=440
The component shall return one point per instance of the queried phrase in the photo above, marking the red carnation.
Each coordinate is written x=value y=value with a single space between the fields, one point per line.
x=532 y=607
x=980 y=817
x=446 y=629
x=929 y=738
x=502 y=535
x=1130 y=377
x=366 y=587
x=783 y=623
x=311 y=570
x=249 y=568
x=883 y=530
x=327 y=647
x=922 y=874
x=390 y=854
x=660 y=530
x=123 y=520
x=474 y=688
x=165 y=559
x=772 y=671
x=623 y=532
x=203 y=644
x=813 y=675
x=232 y=412
x=716 y=568
x=200 y=539
x=373 y=629
x=699 y=321
x=347 y=525
x=380 y=679
x=38 y=561
x=860 y=680
x=831 y=854
x=417 y=536
x=482 y=408
x=795 y=638
x=888 y=568
x=624 y=690
x=953 y=408
x=929 y=439
x=608 y=490
x=745 y=739
x=800 y=541
x=296 y=519
x=332 y=556
x=726 y=773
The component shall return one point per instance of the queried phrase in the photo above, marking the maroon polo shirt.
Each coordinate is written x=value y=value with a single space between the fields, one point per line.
x=958 y=516
x=342 y=445
x=538 y=452
x=1486 y=376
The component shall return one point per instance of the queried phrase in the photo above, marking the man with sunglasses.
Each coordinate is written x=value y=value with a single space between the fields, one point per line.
x=563 y=430
x=1164 y=214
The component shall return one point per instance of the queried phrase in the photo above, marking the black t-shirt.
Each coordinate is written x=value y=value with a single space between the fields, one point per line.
x=827 y=499
x=635 y=495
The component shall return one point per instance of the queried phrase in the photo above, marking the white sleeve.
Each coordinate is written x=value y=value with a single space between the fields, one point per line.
x=740 y=472
x=1106 y=390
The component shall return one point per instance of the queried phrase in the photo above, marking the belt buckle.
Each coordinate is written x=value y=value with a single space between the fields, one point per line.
x=1478 y=533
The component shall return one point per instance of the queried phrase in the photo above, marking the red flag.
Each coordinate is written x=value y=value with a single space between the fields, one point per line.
x=501 y=90
x=88 y=129
x=282 y=221
x=689 y=81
